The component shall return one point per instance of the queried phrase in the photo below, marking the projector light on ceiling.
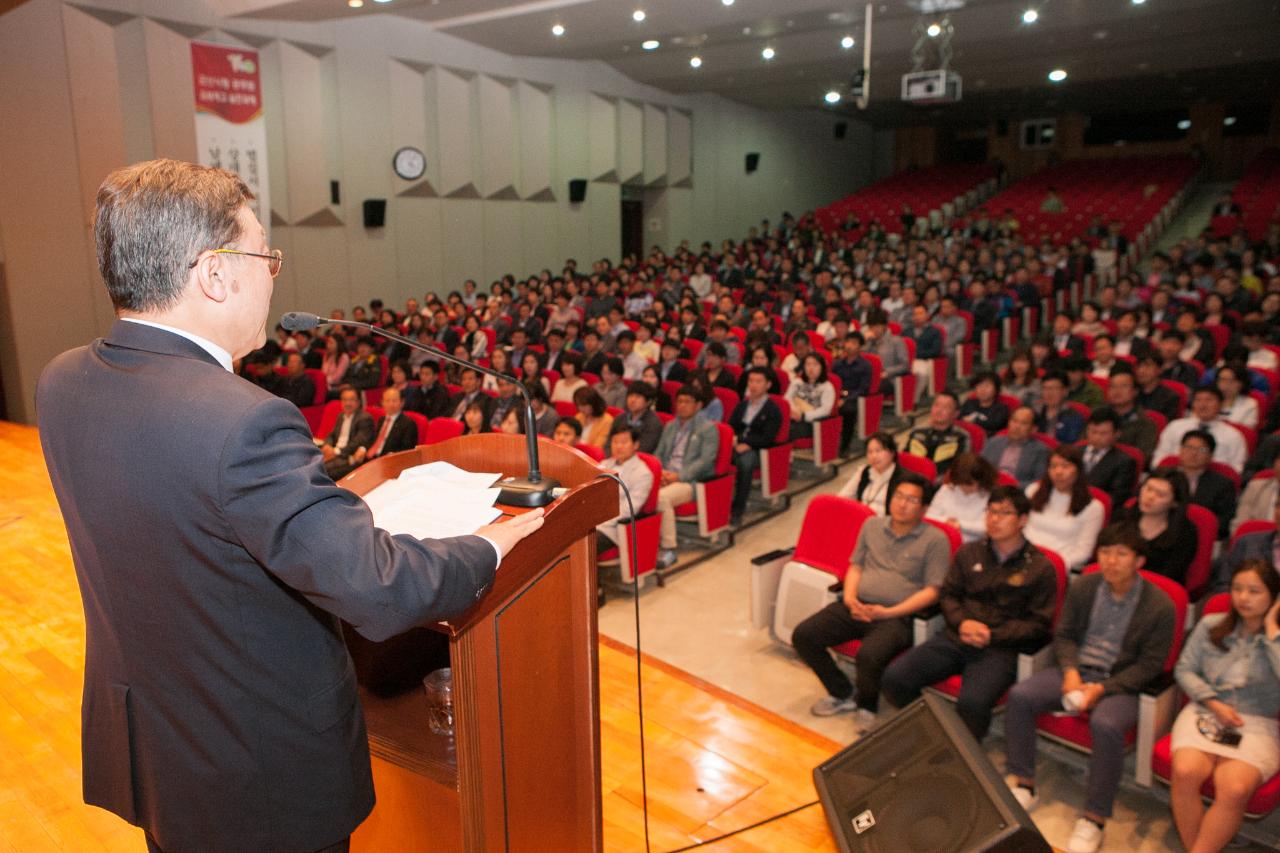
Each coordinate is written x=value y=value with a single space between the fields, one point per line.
x=846 y=42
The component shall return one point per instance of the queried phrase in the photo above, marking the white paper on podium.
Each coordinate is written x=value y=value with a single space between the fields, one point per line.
x=434 y=501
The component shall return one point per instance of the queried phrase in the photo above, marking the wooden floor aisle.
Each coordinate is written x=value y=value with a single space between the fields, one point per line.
x=715 y=762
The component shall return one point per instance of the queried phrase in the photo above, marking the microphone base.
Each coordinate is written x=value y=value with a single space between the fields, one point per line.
x=519 y=491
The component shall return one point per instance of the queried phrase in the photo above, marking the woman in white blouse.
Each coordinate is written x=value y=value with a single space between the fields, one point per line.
x=1065 y=517
x=812 y=397
x=570 y=381
x=871 y=481
x=1237 y=406
x=961 y=500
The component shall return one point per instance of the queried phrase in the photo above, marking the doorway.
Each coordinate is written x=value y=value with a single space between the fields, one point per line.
x=633 y=228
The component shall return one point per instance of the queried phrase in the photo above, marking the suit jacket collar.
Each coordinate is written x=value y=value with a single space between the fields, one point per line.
x=150 y=339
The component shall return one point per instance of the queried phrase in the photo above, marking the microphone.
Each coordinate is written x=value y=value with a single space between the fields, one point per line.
x=533 y=490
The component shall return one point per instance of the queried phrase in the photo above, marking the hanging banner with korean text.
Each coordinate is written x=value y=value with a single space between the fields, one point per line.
x=231 y=132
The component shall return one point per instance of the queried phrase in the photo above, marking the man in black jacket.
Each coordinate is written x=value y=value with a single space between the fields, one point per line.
x=429 y=398
x=1106 y=466
x=1207 y=487
x=998 y=601
x=1112 y=642
x=638 y=415
x=755 y=423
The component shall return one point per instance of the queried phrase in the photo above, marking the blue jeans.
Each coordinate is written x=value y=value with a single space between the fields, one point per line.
x=987 y=674
x=1109 y=721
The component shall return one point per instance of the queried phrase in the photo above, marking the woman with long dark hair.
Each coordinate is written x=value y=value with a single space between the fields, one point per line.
x=811 y=396
x=961 y=500
x=1230 y=669
x=1065 y=517
x=872 y=481
x=1160 y=514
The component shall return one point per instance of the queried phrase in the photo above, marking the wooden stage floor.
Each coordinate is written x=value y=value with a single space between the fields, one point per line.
x=715 y=762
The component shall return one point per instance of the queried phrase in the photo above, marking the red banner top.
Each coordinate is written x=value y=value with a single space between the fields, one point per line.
x=227 y=82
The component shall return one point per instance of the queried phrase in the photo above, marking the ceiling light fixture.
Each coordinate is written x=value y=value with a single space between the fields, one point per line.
x=1184 y=124
x=651 y=44
x=1138 y=2
x=381 y=1
x=638 y=15
x=768 y=53
x=355 y=4
x=1057 y=75
x=832 y=97
x=695 y=61
x=726 y=2
x=1030 y=16
x=846 y=42
x=557 y=30
x=1229 y=120
x=934 y=31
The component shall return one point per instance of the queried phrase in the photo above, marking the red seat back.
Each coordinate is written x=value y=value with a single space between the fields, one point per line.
x=954 y=539
x=922 y=466
x=1178 y=595
x=724 y=453
x=829 y=532
x=655 y=470
x=443 y=429
x=784 y=431
x=728 y=399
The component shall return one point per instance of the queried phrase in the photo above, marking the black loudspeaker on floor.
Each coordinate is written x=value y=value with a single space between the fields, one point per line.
x=920 y=783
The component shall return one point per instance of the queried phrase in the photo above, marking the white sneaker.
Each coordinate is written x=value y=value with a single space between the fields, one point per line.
x=864 y=720
x=1086 y=837
x=829 y=706
x=1024 y=795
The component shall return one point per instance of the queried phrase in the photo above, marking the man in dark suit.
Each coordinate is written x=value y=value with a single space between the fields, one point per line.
x=296 y=386
x=755 y=423
x=1207 y=487
x=1062 y=338
x=220 y=710
x=638 y=415
x=669 y=367
x=428 y=398
x=471 y=393
x=1106 y=466
x=395 y=431
x=345 y=446
x=1018 y=452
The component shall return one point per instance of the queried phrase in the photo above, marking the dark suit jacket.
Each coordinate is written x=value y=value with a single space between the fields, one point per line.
x=361 y=434
x=762 y=431
x=403 y=435
x=1116 y=474
x=675 y=371
x=430 y=402
x=650 y=429
x=215 y=559
x=1217 y=494
x=1032 y=464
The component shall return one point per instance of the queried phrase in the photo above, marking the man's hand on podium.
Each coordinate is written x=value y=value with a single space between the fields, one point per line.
x=506 y=534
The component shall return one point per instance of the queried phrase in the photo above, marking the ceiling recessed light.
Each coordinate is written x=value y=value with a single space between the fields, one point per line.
x=832 y=97
x=1229 y=120
x=355 y=4
x=934 y=31
x=695 y=61
x=1030 y=16
x=381 y=1
x=768 y=53
x=846 y=42
x=557 y=30
x=651 y=44
x=1057 y=75
x=726 y=2
x=638 y=15
x=1139 y=2
x=1185 y=124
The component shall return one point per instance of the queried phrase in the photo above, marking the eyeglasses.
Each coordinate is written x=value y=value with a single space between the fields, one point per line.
x=274 y=259
x=908 y=499
x=1004 y=513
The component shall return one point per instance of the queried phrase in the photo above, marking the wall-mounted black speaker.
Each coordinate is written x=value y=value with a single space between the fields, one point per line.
x=335 y=193
x=375 y=212
x=753 y=161
x=841 y=128
x=1002 y=127
x=577 y=190
x=920 y=782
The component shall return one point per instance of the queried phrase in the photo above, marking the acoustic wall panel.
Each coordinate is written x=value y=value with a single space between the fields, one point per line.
x=679 y=148
x=408 y=113
x=95 y=99
x=504 y=250
x=630 y=142
x=131 y=69
x=273 y=114
x=498 y=143
x=655 y=144
x=452 y=120
x=535 y=122
x=302 y=81
x=462 y=230
x=173 y=128
x=602 y=141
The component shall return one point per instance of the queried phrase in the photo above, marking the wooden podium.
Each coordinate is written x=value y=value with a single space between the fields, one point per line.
x=523 y=770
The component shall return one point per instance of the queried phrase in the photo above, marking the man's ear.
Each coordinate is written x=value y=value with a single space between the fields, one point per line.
x=211 y=275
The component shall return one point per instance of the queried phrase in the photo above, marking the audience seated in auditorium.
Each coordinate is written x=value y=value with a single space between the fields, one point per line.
x=961 y=500
x=1019 y=379
x=365 y=369
x=810 y=395
x=755 y=422
x=1136 y=429
x=1260 y=497
x=568 y=431
x=428 y=398
x=1111 y=643
x=1153 y=394
x=1169 y=538
x=985 y=409
x=1230 y=670
x=855 y=383
x=882 y=342
x=1237 y=406
x=998 y=601
x=895 y=571
x=296 y=386
x=1065 y=518
x=1205 y=486
x=394 y=432
x=1108 y=468
x=873 y=480
x=687 y=450
x=940 y=439
x=638 y=415
x=635 y=475
x=1062 y=338
x=345 y=445
x=1018 y=453
x=594 y=416
x=1053 y=416
x=1206 y=405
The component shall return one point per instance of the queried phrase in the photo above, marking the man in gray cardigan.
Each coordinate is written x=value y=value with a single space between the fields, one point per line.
x=687 y=451
x=1112 y=641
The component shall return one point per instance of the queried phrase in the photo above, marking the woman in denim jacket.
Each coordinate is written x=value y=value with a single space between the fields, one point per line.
x=1230 y=669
